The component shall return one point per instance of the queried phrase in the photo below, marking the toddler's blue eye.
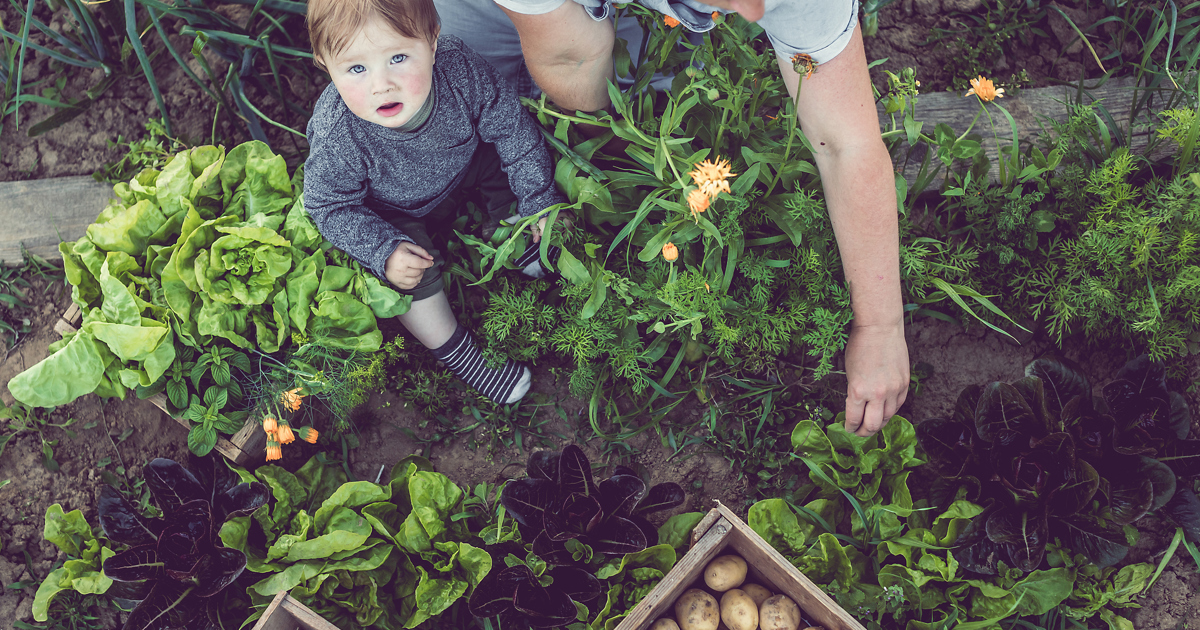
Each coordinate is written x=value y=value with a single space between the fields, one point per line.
x=397 y=58
x=357 y=69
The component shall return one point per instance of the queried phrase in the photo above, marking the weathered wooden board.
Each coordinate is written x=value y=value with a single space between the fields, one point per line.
x=285 y=613
x=1030 y=110
x=241 y=448
x=42 y=212
x=721 y=531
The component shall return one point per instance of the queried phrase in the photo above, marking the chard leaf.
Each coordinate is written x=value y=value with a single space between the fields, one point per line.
x=1103 y=544
x=495 y=593
x=527 y=500
x=134 y=565
x=1183 y=457
x=617 y=536
x=578 y=584
x=1022 y=533
x=218 y=569
x=575 y=473
x=543 y=465
x=1002 y=414
x=1184 y=509
x=67 y=531
x=677 y=531
x=543 y=607
x=1061 y=383
x=122 y=523
x=663 y=496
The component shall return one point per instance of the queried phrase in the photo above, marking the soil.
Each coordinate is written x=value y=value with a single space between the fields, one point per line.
x=111 y=436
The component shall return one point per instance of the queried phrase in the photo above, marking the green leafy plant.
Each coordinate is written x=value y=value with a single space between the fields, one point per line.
x=1050 y=463
x=213 y=254
x=359 y=553
x=85 y=553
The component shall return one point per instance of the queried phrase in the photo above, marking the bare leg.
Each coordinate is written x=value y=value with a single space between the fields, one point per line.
x=430 y=320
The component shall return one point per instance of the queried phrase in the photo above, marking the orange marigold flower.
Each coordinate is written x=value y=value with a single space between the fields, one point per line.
x=670 y=21
x=698 y=201
x=716 y=16
x=274 y=451
x=285 y=434
x=710 y=177
x=309 y=434
x=984 y=89
x=670 y=252
x=269 y=424
x=291 y=399
x=804 y=64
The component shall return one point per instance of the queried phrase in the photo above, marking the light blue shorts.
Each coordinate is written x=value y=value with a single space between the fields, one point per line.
x=819 y=28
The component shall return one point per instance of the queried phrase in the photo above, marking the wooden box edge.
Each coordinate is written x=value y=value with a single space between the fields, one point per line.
x=238 y=449
x=286 y=612
x=719 y=529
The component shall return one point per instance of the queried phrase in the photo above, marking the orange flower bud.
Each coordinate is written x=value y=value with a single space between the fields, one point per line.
x=274 y=451
x=308 y=434
x=698 y=201
x=269 y=424
x=285 y=434
x=670 y=21
x=670 y=252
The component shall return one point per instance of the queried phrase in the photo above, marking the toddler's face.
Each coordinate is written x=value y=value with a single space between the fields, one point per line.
x=383 y=76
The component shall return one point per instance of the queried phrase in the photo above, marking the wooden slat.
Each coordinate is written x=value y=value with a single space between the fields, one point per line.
x=661 y=599
x=777 y=570
x=40 y=213
x=240 y=449
x=721 y=531
x=1027 y=107
x=286 y=613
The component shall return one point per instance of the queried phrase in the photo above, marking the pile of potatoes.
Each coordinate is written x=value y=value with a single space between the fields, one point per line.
x=743 y=606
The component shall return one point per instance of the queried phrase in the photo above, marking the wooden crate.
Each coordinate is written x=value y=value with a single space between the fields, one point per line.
x=721 y=531
x=285 y=613
x=242 y=448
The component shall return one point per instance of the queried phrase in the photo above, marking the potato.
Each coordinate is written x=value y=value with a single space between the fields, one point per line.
x=779 y=613
x=697 y=610
x=738 y=610
x=666 y=623
x=758 y=593
x=725 y=572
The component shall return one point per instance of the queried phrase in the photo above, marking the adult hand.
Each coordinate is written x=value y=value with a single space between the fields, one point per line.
x=877 y=375
x=407 y=264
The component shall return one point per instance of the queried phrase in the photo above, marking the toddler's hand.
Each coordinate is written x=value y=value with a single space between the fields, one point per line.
x=406 y=265
x=566 y=218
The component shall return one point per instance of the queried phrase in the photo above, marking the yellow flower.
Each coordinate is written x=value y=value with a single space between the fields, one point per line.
x=274 y=451
x=710 y=177
x=291 y=399
x=698 y=201
x=670 y=252
x=285 y=434
x=270 y=425
x=670 y=21
x=309 y=434
x=984 y=89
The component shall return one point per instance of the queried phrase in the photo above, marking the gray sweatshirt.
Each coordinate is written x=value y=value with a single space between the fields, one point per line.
x=359 y=172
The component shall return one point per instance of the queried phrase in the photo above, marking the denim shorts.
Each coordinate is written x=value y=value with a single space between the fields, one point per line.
x=819 y=28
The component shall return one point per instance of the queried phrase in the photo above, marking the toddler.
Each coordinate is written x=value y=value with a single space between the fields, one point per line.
x=409 y=119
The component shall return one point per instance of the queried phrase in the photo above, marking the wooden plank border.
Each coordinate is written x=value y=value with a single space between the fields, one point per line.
x=241 y=448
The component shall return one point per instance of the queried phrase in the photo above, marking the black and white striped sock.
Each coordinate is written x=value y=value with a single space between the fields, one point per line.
x=530 y=261
x=506 y=385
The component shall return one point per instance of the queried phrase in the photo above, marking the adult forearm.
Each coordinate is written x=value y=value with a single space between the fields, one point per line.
x=861 y=195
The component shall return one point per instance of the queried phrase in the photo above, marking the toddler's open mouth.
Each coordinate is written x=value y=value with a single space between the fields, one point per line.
x=390 y=109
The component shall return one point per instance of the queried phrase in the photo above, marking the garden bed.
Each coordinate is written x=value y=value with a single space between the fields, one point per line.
x=66 y=457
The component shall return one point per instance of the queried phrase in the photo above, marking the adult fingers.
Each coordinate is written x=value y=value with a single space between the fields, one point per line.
x=873 y=418
x=854 y=413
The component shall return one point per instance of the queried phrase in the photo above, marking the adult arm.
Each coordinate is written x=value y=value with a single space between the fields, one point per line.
x=569 y=55
x=836 y=109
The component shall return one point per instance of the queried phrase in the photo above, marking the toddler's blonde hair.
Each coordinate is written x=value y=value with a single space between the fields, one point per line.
x=332 y=24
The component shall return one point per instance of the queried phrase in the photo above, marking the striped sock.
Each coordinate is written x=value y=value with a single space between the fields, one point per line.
x=530 y=261
x=506 y=385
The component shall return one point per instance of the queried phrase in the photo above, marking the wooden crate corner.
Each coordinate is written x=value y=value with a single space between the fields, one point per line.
x=241 y=448
x=721 y=530
x=287 y=613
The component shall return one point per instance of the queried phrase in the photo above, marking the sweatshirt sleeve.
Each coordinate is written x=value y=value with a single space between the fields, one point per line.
x=503 y=122
x=334 y=193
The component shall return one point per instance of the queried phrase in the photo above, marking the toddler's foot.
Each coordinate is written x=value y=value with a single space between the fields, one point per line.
x=506 y=385
x=530 y=261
